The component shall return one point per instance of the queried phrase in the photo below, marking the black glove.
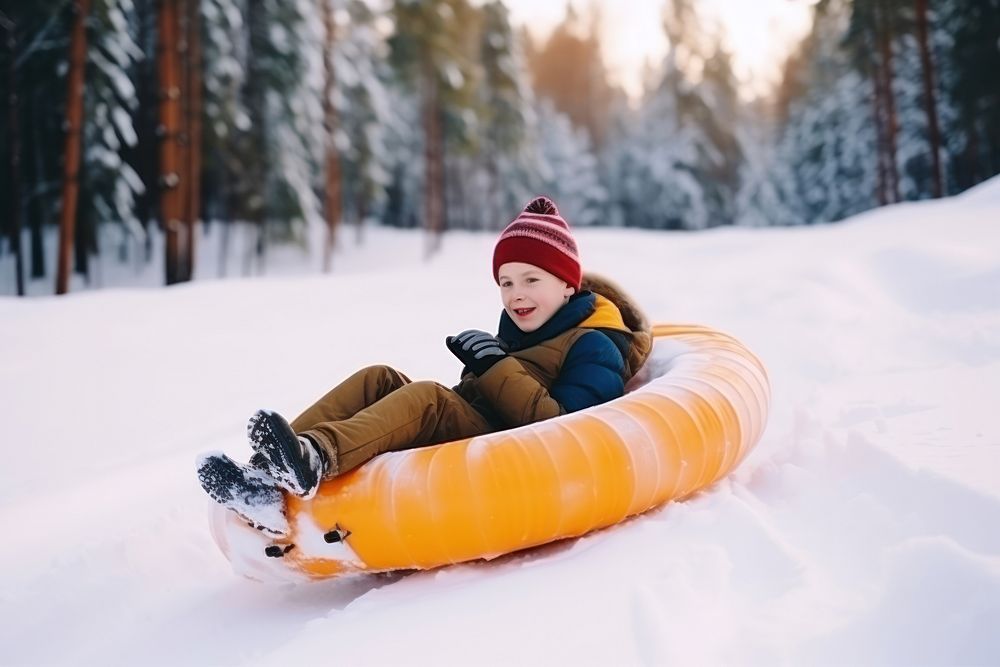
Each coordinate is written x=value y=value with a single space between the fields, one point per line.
x=476 y=349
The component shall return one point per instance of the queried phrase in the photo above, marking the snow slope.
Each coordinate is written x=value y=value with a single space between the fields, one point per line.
x=862 y=529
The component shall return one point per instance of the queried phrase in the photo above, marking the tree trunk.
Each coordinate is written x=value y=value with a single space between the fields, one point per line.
x=362 y=211
x=881 y=150
x=224 y=246
x=171 y=195
x=256 y=177
x=260 y=252
x=42 y=219
x=71 y=155
x=891 y=120
x=183 y=136
x=193 y=168
x=433 y=160
x=493 y=213
x=972 y=151
x=930 y=98
x=456 y=214
x=333 y=201
x=14 y=144
x=82 y=244
x=147 y=204
x=181 y=14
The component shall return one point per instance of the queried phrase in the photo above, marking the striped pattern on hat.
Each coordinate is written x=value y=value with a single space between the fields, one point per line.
x=541 y=237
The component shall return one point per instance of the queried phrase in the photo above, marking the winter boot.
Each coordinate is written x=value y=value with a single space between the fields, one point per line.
x=249 y=492
x=295 y=462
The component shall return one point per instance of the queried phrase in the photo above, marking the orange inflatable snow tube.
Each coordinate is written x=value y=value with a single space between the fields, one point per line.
x=689 y=417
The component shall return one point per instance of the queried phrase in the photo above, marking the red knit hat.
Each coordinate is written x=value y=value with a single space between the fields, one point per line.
x=541 y=237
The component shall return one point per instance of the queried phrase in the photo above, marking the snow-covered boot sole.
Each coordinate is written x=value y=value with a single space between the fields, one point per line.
x=248 y=492
x=295 y=465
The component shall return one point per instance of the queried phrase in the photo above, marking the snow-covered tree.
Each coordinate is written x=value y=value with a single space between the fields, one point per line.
x=831 y=145
x=432 y=54
x=824 y=165
x=965 y=36
x=365 y=108
x=660 y=186
x=111 y=182
x=38 y=64
x=282 y=96
x=708 y=112
x=679 y=161
x=264 y=128
x=569 y=70
x=509 y=161
x=568 y=169
x=765 y=197
x=913 y=152
x=226 y=119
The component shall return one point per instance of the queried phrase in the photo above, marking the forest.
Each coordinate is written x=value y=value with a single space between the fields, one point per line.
x=137 y=126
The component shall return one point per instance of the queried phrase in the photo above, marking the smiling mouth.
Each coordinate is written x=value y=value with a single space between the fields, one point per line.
x=523 y=312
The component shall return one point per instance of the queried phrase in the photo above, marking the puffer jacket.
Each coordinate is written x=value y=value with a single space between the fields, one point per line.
x=581 y=357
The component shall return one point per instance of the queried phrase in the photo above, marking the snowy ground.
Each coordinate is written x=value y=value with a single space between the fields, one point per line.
x=864 y=528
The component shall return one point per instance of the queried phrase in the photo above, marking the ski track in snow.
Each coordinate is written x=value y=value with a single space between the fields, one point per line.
x=861 y=529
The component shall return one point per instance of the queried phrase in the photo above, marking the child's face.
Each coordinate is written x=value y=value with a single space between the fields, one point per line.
x=531 y=295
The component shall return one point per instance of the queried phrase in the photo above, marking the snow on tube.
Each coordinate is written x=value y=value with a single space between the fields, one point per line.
x=690 y=415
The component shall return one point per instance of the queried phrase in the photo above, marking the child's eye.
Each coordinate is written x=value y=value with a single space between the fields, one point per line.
x=506 y=283
x=532 y=280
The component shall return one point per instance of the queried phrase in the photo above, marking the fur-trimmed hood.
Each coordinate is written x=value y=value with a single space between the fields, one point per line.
x=632 y=316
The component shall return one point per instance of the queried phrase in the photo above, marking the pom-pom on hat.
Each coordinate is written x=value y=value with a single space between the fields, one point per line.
x=541 y=237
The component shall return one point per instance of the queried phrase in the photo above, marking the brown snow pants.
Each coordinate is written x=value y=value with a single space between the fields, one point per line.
x=378 y=409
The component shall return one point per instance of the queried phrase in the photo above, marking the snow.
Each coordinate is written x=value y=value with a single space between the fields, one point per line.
x=862 y=529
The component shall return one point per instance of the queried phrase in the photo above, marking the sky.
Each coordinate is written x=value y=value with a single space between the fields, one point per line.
x=760 y=34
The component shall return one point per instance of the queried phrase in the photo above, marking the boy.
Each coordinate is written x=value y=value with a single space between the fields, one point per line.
x=559 y=349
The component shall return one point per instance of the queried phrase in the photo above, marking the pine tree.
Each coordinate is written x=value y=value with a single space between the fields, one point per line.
x=8 y=26
x=765 y=198
x=462 y=127
x=569 y=70
x=263 y=117
x=171 y=181
x=111 y=182
x=662 y=189
x=682 y=163
x=884 y=38
x=964 y=37
x=929 y=80
x=405 y=192
x=145 y=118
x=71 y=156
x=193 y=68
x=826 y=161
x=712 y=107
x=430 y=50
x=367 y=111
x=871 y=40
x=40 y=69
x=333 y=200
x=100 y=186
x=226 y=118
x=914 y=151
x=507 y=118
x=282 y=144
x=568 y=169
